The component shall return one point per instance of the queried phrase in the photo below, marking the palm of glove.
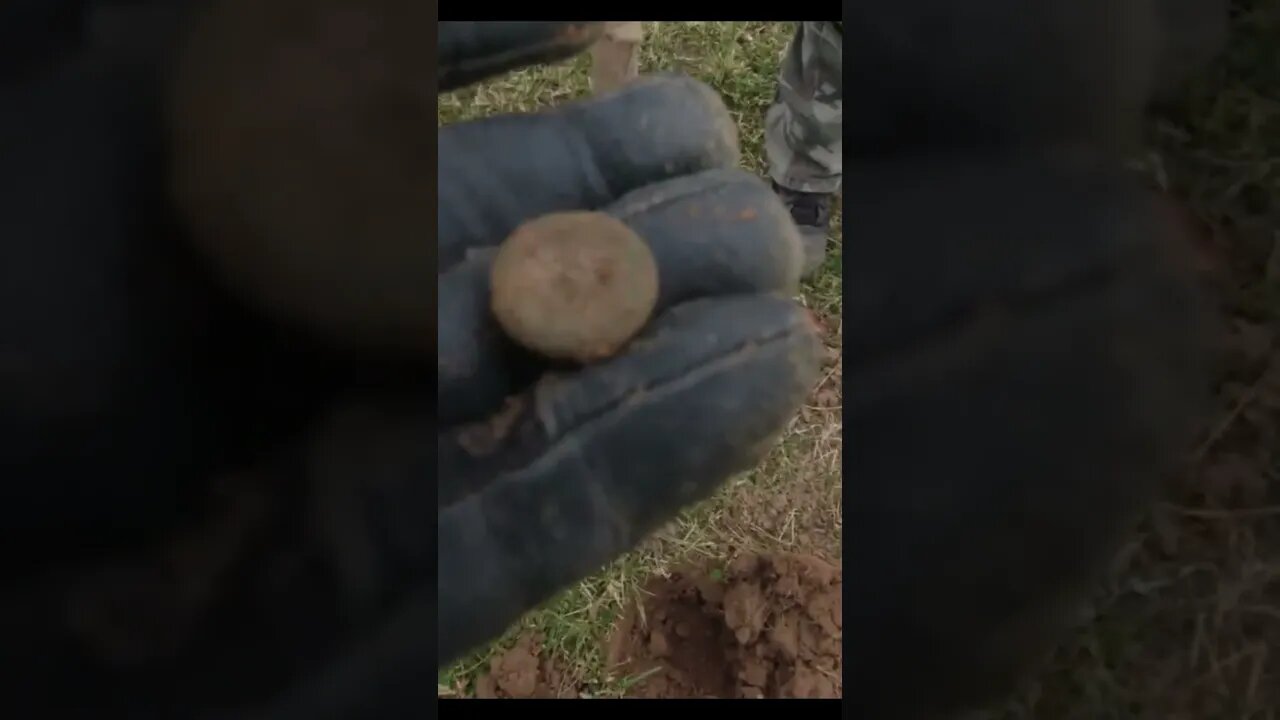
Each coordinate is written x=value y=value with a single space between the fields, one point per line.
x=544 y=477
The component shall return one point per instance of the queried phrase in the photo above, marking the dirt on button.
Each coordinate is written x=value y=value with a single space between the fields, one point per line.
x=769 y=626
x=573 y=285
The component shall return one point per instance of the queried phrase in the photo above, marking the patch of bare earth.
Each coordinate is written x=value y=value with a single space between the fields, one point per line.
x=523 y=671
x=770 y=627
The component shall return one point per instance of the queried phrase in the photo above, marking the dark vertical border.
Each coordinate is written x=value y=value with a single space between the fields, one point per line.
x=431 y=43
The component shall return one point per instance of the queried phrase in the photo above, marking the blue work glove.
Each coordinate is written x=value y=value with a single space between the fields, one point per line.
x=545 y=475
x=182 y=476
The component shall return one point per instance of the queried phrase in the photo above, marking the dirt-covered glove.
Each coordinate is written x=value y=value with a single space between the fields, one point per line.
x=545 y=477
x=188 y=506
x=1024 y=351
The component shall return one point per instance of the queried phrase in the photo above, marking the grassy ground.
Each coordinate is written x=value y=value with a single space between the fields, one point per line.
x=790 y=502
x=1187 y=625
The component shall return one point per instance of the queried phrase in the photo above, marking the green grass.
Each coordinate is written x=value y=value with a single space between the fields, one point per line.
x=793 y=499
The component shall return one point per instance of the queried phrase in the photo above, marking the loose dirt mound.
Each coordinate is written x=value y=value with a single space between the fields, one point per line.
x=523 y=671
x=769 y=627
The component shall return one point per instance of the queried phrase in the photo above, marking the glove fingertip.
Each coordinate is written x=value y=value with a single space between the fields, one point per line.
x=680 y=121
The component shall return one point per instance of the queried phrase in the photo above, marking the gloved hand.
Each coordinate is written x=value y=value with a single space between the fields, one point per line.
x=301 y=589
x=545 y=476
x=188 y=487
x=219 y=516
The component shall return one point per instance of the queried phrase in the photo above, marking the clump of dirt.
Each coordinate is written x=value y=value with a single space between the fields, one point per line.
x=522 y=671
x=769 y=626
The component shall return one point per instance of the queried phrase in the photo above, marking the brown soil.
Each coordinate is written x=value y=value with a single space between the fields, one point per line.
x=523 y=671
x=770 y=627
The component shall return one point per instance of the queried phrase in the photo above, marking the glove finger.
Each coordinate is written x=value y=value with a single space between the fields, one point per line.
x=583 y=467
x=472 y=51
x=1033 y=331
x=498 y=172
x=998 y=229
x=997 y=73
x=720 y=232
